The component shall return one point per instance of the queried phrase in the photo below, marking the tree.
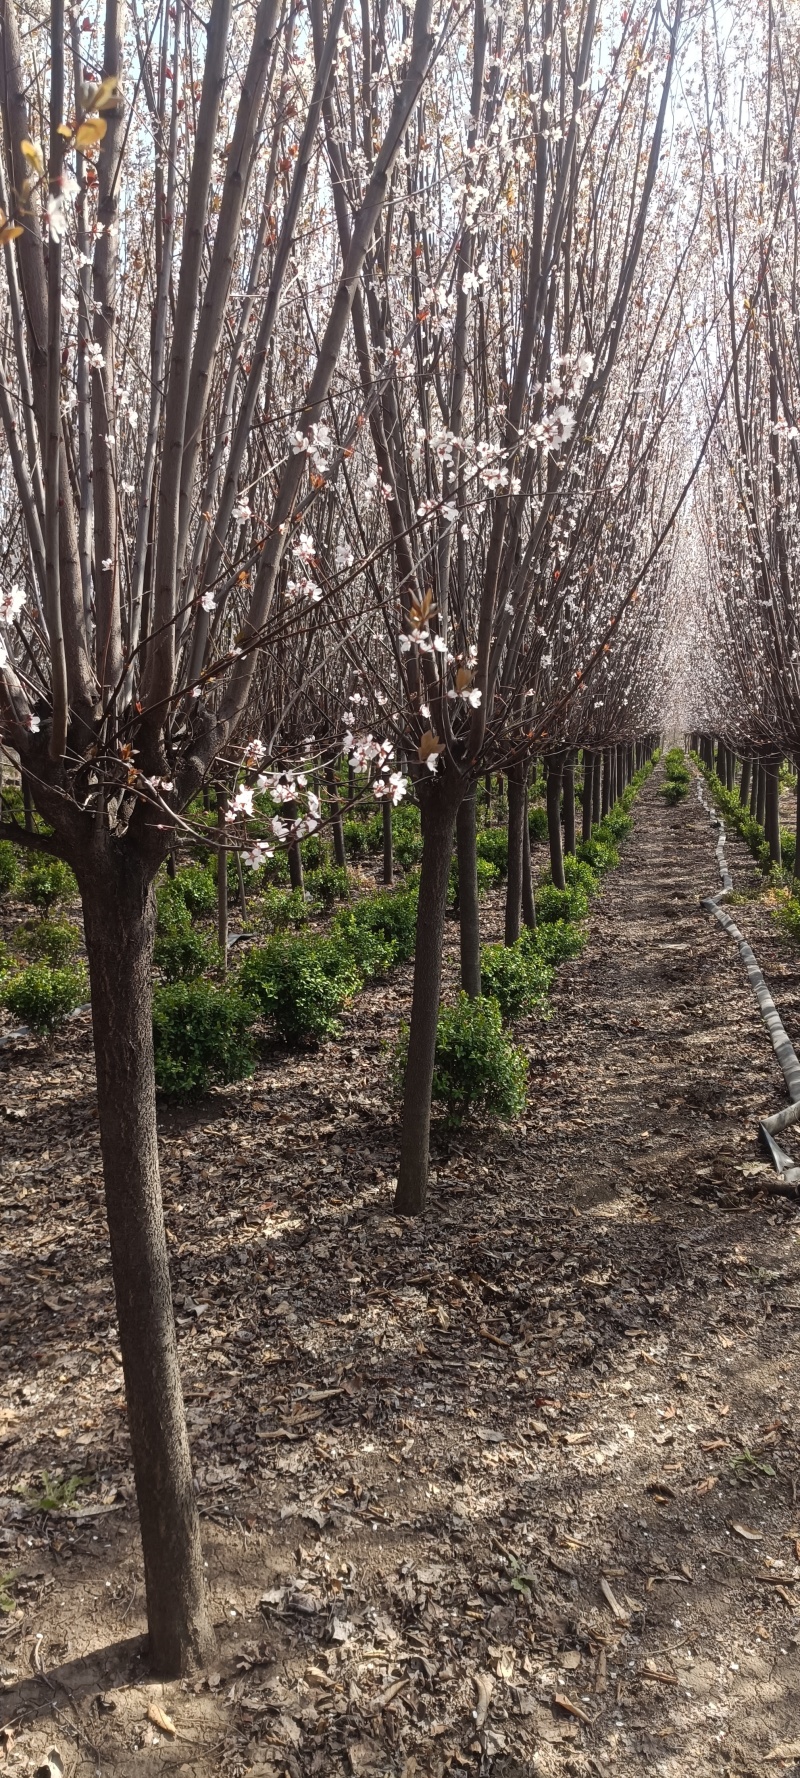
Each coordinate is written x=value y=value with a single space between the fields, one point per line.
x=129 y=665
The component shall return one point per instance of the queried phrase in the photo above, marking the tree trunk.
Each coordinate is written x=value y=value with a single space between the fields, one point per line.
x=469 y=920
x=295 y=855
x=772 y=806
x=528 y=897
x=597 y=789
x=568 y=800
x=588 y=795
x=762 y=792
x=388 y=851
x=119 y=921
x=796 y=869
x=605 y=802
x=554 y=770
x=439 y=809
x=222 y=882
x=516 y=848
x=754 y=788
x=337 y=828
x=744 y=782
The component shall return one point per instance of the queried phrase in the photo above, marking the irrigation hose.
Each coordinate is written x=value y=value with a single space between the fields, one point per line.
x=769 y=1127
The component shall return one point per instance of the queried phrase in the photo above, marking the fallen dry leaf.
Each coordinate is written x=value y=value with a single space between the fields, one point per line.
x=160 y=1720
x=484 y=1687
x=571 y=1708
x=749 y=1535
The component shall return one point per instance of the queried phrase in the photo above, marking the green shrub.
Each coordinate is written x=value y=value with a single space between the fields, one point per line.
x=172 y=914
x=355 y=838
x=486 y=873
x=537 y=825
x=578 y=872
x=674 y=790
x=314 y=852
x=614 y=826
x=492 y=845
x=328 y=884
x=598 y=855
x=788 y=848
x=407 y=835
x=281 y=908
x=391 y=916
x=556 y=941
x=182 y=956
x=516 y=976
x=373 y=832
x=372 y=953
x=50 y=941
x=12 y=803
x=201 y=1036
x=9 y=870
x=7 y=962
x=42 y=997
x=477 y=1066
x=675 y=765
x=197 y=887
x=571 y=903
x=295 y=982
x=46 y=881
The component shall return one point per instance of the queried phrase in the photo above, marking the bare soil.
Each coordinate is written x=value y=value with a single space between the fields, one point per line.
x=508 y=1491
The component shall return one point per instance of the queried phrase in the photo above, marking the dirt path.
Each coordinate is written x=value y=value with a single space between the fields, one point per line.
x=474 y=1464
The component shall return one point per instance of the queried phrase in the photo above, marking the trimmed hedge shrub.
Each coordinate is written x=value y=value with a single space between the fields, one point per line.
x=492 y=844
x=50 y=941
x=556 y=941
x=599 y=855
x=372 y=953
x=9 y=869
x=46 y=881
x=183 y=955
x=42 y=997
x=355 y=837
x=301 y=985
x=327 y=885
x=477 y=1066
x=537 y=824
x=516 y=976
x=201 y=1036
x=282 y=908
x=198 y=889
x=571 y=903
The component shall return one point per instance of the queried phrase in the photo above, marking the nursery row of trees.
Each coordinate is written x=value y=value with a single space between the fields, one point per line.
x=741 y=683
x=343 y=383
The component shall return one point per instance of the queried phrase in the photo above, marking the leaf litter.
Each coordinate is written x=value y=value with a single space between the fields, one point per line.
x=425 y=1453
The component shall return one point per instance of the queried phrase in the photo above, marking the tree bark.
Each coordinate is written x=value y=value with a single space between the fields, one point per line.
x=772 y=806
x=337 y=828
x=295 y=855
x=439 y=808
x=605 y=802
x=588 y=792
x=528 y=897
x=516 y=849
x=796 y=867
x=469 y=919
x=568 y=802
x=762 y=792
x=754 y=787
x=597 y=789
x=388 y=852
x=554 y=770
x=222 y=882
x=119 y=921
x=744 y=782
